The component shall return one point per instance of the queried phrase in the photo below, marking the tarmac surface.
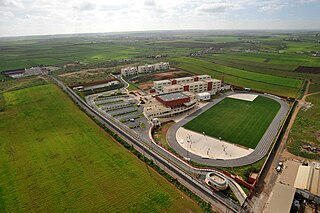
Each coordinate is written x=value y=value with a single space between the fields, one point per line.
x=260 y=151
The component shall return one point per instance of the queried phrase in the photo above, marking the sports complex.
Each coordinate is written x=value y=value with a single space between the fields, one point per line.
x=235 y=129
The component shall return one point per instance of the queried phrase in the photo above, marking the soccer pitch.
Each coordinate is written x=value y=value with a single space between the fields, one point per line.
x=237 y=121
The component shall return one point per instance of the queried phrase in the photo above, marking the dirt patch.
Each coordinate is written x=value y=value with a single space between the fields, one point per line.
x=85 y=76
x=306 y=105
x=183 y=44
x=305 y=69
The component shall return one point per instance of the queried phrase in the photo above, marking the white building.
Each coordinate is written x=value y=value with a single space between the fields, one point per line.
x=172 y=88
x=162 y=66
x=194 y=84
x=158 y=85
x=204 y=96
x=147 y=68
x=129 y=71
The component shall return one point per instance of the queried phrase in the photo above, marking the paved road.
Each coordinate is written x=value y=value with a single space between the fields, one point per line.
x=165 y=160
x=260 y=151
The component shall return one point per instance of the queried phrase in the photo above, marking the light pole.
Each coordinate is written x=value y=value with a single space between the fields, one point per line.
x=188 y=141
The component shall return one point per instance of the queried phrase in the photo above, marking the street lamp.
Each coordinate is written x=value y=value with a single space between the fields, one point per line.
x=188 y=141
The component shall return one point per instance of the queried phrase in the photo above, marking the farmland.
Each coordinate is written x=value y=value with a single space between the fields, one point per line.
x=237 y=121
x=306 y=129
x=262 y=82
x=54 y=158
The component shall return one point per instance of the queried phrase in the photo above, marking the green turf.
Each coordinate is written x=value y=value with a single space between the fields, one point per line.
x=237 y=121
x=53 y=158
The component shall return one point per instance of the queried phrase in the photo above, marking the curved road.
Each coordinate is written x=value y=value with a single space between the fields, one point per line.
x=259 y=152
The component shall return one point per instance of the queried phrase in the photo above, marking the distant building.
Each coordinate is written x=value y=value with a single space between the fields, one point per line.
x=129 y=71
x=29 y=71
x=147 y=68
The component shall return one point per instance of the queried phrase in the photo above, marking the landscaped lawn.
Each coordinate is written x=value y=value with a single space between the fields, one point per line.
x=54 y=158
x=237 y=121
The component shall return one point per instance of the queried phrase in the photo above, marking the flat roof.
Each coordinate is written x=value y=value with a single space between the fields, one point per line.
x=203 y=76
x=194 y=83
x=281 y=198
x=211 y=80
x=173 y=96
x=173 y=86
x=183 y=78
x=203 y=93
x=162 y=81
x=303 y=177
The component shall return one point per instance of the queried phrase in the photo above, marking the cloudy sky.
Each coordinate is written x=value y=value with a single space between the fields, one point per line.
x=38 y=17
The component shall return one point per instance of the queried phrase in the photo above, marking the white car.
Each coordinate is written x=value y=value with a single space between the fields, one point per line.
x=278 y=168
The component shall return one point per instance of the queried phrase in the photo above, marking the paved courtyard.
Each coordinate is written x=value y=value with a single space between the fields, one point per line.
x=209 y=147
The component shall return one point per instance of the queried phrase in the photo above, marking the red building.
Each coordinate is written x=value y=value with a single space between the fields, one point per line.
x=173 y=99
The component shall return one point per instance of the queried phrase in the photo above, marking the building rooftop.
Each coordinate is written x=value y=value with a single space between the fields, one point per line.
x=194 y=83
x=203 y=94
x=172 y=96
x=162 y=81
x=281 y=198
x=211 y=80
x=183 y=78
x=173 y=86
x=303 y=177
x=203 y=76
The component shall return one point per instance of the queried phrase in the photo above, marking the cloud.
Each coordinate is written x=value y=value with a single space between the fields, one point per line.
x=85 y=6
x=109 y=7
x=215 y=7
x=10 y=4
x=150 y=3
x=306 y=1
x=271 y=7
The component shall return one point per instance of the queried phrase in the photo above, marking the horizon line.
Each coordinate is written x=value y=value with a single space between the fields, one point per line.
x=170 y=30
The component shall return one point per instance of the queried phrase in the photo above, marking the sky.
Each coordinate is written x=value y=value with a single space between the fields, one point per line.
x=43 y=17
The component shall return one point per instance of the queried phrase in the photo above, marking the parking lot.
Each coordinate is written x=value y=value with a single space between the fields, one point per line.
x=124 y=108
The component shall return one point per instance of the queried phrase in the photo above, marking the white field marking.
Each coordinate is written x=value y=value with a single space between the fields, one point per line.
x=244 y=96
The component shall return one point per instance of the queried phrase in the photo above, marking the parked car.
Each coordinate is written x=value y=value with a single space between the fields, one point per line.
x=279 y=168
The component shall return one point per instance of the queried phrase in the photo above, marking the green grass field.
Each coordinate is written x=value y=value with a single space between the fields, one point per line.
x=258 y=81
x=306 y=130
x=56 y=159
x=237 y=121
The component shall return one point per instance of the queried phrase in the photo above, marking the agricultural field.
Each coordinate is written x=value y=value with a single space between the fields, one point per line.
x=264 y=68
x=306 y=129
x=54 y=159
x=237 y=121
x=257 y=81
x=58 y=51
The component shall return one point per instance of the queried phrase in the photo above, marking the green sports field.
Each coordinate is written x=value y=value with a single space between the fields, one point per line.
x=53 y=158
x=237 y=121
